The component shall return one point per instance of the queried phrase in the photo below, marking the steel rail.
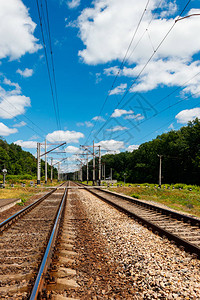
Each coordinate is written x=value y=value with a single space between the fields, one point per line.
x=47 y=258
x=165 y=211
x=187 y=245
x=23 y=211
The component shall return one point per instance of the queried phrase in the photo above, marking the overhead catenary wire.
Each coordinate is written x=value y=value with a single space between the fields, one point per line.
x=164 y=109
x=121 y=65
x=169 y=121
x=145 y=65
x=48 y=68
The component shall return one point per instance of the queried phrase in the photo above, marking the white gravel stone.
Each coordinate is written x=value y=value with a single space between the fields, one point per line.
x=160 y=269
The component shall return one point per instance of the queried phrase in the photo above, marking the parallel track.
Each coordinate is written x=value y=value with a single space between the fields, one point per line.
x=23 y=242
x=182 y=229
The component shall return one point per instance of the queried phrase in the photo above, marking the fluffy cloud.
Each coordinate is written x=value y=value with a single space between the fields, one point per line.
x=98 y=118
x=26 y=73
x=73 y=3
x=112 y=145
x=137 y=117
x=65 y=136
x=119 y=112
x=119 y=89
x=187 y=115
x=5 y=131
x=119 y=28
x=16 y=30
x=72 y=149
x=174 y=58
x=117 y=128
x=26 y=144
x=12 y=103
x=86 y=123
x=21 y=124
x=132 y=147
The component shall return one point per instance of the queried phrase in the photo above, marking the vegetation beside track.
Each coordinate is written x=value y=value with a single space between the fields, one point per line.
x=185 y=200
x=182 y=197
x=24 y=193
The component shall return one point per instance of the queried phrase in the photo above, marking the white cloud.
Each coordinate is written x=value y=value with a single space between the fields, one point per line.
x=172 y=72
x=26 y=144
x=174 y=58
x=119 y=28
x=21 y=124
x=132 y=147
x=112 y=71
x=117 y=128
x=119 y=89
x=98 y=118
x=72 y=149
x=65 y=136
x=112 y=145
x=119 y=112
x=187 y=115
x=12 y=103
x=171 y=126
x=89 y=124
x=73 y=3
x=86 y=123
x=71 y=24
x=137 y=117
x=16 y=30
x=26 y=73
x=5 y=131
x=8 y=82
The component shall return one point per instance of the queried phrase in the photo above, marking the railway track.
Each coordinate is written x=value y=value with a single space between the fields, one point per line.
x=37 y=250
x=180 y=228
x=26 y=246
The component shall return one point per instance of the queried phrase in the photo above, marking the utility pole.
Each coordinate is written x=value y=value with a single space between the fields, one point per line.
x=38 y=164
x=160 y=170
x=93 y=165
x=81 y=173
x=45 y=161
x=51 y=170
x=58 y=171
x=87 y=169
x=99 y=165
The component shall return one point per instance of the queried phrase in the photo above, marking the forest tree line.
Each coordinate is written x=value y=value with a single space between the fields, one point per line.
x=19 y=162
x=180 y=152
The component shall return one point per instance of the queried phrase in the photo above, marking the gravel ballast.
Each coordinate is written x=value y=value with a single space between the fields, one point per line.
x=146 y=266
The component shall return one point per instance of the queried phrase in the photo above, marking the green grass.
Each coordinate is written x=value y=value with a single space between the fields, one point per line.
x=183 y=200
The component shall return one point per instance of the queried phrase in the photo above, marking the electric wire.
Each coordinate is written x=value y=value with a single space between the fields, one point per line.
x=145 y=65
x=163 y=110
x=165 y=97
x=48 y=66
x=121 y=65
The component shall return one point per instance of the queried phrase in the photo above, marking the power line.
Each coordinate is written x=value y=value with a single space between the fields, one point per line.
x=145 y=65
x=121 y=65
x=48 y=67
x=164 y=109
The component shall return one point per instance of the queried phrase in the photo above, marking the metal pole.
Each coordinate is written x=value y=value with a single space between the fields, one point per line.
x=93 y=165
x=38 y=164
x=45 y=161
x=110 y=173
x=99 y=165
x=58 y=171
x=160 y=170
x=87 y=169
x=104 y=171
x=51 y=170
x=81 y=171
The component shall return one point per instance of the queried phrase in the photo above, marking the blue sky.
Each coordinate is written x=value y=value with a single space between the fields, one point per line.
x=125 y=72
